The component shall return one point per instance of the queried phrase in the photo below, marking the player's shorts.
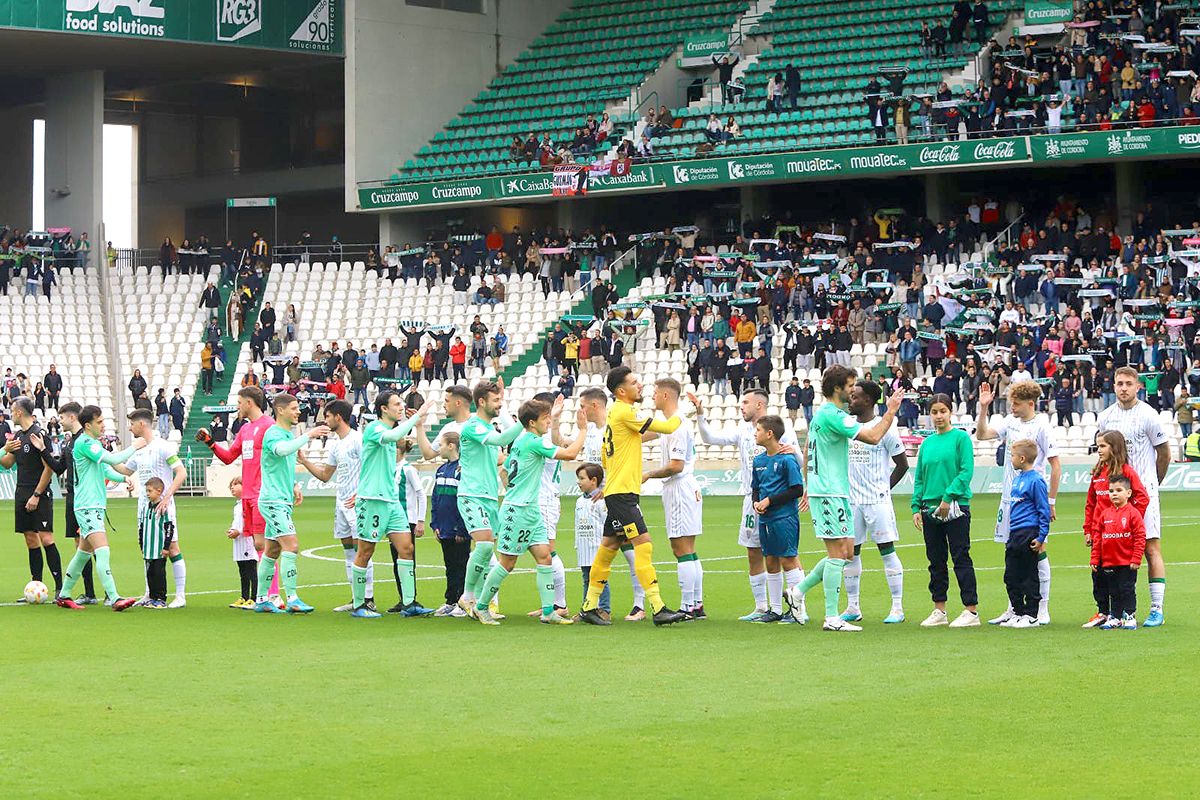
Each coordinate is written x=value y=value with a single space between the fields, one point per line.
x=780 y=536
x=624 y=518
x=748 y=528
x=345 y=523
x=378 y=518
x=1002 y=515
x=831 y=517
x=875 y=520
x=682 y=508
x=71 y=522
x=41 y=519
x=521 y=527
x=252 y=521
x=1153 y=518
x=479 y=513
x=277 y=520
x=91 y=520
x=551 y=512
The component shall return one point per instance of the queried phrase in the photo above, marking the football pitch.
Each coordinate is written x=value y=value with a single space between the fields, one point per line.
x=212 y=701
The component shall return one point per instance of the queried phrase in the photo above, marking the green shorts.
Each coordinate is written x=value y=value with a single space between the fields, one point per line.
x=377 y=518
x=520 y=528
x=479 y=513
x=831 y=517
x=277 y=520
x=90 y=520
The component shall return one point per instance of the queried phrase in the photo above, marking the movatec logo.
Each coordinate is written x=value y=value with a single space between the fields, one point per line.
x=121 y=17
x=237 y=19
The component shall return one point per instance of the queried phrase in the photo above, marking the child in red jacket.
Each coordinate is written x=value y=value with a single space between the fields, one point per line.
x=1118 y=543
x=1113 y=461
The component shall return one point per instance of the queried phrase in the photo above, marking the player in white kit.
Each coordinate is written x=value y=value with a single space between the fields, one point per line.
x=595 y=407
x=341 y=464
x=682 y=503
x=159 y=459
x=1149 y=455
x=766 y=589
x=874 y=470
x=1022 y=422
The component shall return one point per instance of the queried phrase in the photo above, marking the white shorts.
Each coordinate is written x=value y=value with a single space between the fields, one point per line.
x=243 y=549
x=683 y=508
x=878 y=521
x=345 y=525
x=1002 y=516
x=551 y=511
x=748 y=526
x=1153 y=518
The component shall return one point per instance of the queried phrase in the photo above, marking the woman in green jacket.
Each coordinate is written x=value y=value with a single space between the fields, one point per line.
x=941 y=511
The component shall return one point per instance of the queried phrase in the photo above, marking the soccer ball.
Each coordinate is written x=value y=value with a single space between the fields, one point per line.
x=36 y=593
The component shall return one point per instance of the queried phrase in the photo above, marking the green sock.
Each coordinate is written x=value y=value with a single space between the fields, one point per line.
x=545 y=588
x=491 y=586
x=477 y=567
x=358 y=585
x=288 y=574
x=832 y=580
x=74 y=570
x=105 y=572
x=813 y=577
x=408 y=580
x=266 y=571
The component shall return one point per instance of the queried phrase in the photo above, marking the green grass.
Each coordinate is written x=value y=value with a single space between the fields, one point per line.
x=209 y=701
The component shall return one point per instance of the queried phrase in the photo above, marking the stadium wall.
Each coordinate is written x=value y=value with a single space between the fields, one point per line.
x=411 y=69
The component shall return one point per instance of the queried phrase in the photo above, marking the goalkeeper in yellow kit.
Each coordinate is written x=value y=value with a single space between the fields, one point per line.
x=622 y=459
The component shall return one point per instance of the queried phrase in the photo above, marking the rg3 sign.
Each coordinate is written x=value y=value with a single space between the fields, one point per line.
x=237 y=19
x=570 y=181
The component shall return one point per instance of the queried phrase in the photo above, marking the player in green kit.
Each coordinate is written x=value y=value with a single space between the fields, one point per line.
x=378 y=510
x=91 y=463
x=522 y=526
x=479 y=485
x=827 y=476
x=279 y=448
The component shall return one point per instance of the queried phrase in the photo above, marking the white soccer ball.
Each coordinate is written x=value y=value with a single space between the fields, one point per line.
x=36 y=593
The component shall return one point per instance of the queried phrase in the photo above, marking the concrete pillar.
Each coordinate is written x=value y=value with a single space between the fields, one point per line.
x=1130 y=197
x=755 y=203
x=400 y=228
x=74 y=153
x=574 y=214
x=941 y=194
x=16 y=168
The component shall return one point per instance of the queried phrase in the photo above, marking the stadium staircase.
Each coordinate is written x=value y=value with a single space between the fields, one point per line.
x=838 y=48
x=222 y=387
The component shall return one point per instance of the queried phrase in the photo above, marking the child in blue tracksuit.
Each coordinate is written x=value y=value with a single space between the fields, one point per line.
x=448 y=526
x=1029 y=527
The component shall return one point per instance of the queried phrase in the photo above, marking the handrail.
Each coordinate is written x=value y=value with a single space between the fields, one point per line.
x=633 y=112
x=990 y=246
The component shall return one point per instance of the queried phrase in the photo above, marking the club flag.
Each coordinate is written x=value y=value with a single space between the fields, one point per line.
x=570 y=180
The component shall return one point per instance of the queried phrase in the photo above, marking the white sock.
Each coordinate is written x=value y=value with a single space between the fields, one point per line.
x=560 y=581
x=1043 y=568
x=793 y=577
x=370 y=595
x=348 y=554
x=894 y=571
x=775 y=591
x=852 y=573
x=492 y=562
x=1157 y=590
x=179 y=570
x=697 y=584
x=686 y=592
x=758 y=588
x=639 y=594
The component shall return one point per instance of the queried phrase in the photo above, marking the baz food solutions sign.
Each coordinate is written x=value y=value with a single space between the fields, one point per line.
x=308 y=25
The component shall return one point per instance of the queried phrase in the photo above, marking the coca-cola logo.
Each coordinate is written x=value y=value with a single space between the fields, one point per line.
x=946 y=154
x=995 y=150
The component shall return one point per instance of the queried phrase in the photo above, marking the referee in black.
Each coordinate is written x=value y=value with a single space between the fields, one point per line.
x=33 y=506
x=61 y=460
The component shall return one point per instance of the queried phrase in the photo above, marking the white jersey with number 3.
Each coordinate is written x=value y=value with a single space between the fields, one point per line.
x=871 y=469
